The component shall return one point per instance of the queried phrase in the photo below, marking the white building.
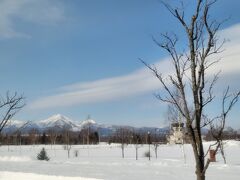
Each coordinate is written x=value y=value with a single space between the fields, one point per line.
x=176 y=133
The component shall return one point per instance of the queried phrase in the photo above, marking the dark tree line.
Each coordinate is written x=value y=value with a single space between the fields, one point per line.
x=123 y=136
x=227 y=134
x=130 y=136
x=50 y=137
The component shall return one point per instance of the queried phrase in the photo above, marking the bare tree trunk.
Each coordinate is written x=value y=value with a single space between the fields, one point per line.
x=156 y=150
x=136 y=153
x=136 y=148
x=122 y=147
x=68 y=150
x=184 y=153
x=222 y=152
x=200 y=176
x=202 y=43
x=149 y=149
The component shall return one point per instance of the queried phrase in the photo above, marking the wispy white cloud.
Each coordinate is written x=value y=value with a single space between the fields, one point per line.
x=114 y=88
x=140 y=81
x=230 y=57
x=34 y=11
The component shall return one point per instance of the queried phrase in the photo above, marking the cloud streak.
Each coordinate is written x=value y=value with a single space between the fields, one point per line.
x=42 y=12
x=138 y=82
x=115 y=88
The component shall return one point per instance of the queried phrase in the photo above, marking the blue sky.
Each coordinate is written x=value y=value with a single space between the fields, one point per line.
x=81 y=57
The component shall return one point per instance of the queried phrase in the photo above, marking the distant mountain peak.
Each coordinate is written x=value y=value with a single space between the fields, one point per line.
x=58 y=116
x=57 y=120
x=60 y=122
x=87 y=122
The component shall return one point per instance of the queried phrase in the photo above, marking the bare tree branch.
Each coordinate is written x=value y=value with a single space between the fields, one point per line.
x=203 y=42
x=9 y=106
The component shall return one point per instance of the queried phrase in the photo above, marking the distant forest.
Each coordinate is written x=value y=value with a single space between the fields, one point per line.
x=88 y=136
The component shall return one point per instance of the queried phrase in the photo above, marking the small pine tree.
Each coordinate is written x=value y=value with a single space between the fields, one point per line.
x=43 y=155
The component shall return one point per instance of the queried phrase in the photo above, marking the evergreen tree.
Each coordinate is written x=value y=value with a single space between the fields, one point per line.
x=43 y=155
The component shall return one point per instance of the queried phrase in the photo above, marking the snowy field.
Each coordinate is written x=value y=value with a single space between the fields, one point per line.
x=104 y=162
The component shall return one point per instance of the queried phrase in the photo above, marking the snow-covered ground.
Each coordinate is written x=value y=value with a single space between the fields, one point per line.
x=104 y=162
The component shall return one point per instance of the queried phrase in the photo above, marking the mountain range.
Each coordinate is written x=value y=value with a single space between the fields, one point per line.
x=59 y=122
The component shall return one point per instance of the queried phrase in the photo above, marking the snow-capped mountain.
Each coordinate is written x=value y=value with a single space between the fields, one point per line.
x=57 y=121
x=13 y=125
x=87 y=123
x=60 y=122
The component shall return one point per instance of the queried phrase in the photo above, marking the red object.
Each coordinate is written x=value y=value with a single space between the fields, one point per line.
x=212 y=154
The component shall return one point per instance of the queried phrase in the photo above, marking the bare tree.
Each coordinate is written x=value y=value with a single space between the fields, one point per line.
x=9 y=106
x=175 y=118
x=33 y=136
x=137 y=141
x=149 y=141
x=155 y=146
x=67 y=140
x=190 y=69
x=217 y=127
x=121 y=136
x=18 y=136
x=53 y=133
x=122 y=139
